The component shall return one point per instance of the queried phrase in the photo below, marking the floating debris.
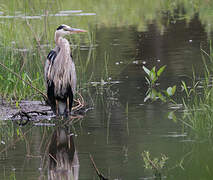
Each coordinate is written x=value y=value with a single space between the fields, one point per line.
x=70 y=11
x=31 y=17
x=85 y=14
x=59 y=14
x=20 y=16
x=176 y=106
x=22 y=50
x=44 y=124
x=135 y=62
x=187 y=140
x=7 y=17
x=104 y=82
x=71 y=14
x=175 y=135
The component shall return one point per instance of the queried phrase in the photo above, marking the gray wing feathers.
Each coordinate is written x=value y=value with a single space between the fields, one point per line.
x=73 y=78
x=48 y=64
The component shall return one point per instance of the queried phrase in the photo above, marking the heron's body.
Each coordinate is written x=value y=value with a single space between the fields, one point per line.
x=60 y=74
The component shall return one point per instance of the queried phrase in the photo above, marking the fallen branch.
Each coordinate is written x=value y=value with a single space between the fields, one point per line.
x=96 y=169
x=80 y=102
x=37 y=112
x=28 y=115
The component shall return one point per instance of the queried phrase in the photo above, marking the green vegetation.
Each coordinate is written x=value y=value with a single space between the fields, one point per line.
x=156 y=164
x=197 y=99
x=153 y=93
x=27 y=30
x=198 y=103
x=153 y=75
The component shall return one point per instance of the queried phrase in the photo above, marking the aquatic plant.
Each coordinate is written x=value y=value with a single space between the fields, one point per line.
x=153 y=75
x=198 y=100
x=156 y=164
x=153 y=93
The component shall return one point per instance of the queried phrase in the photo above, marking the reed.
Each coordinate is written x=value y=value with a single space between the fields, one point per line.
x=198 y=101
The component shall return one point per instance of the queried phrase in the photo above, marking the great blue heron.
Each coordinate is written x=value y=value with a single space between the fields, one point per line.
x=59 y=72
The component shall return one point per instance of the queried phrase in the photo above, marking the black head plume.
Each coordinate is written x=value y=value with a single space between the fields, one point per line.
x=60 y=27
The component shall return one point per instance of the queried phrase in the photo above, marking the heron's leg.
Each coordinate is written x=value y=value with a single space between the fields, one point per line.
x=68 y=105
x=56 y=106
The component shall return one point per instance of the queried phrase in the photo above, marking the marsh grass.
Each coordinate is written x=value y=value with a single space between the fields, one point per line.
x=198 y=102
x=27 y=60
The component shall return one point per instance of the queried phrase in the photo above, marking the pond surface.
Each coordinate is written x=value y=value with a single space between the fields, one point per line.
x=121 y=125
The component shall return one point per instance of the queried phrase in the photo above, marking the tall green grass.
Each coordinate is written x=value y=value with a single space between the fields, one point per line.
x=198 y=103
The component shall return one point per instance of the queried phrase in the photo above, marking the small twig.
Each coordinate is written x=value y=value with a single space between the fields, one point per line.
x=22 y=113
x=152 y=164
x=80 y=102
x=96 y=169
x=53 y=158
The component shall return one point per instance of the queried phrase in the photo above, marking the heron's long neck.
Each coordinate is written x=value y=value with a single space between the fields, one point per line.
x=63 y=44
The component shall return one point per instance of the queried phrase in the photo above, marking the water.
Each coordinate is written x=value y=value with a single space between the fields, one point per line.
x=121 y=125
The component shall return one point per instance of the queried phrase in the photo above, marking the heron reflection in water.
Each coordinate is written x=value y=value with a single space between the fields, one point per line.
x=59 y=72
x=63 y=158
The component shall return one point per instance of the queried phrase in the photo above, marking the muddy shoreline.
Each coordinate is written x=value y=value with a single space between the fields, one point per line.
x=9 y=109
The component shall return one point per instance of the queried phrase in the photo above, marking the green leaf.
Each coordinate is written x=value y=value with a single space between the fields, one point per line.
x=148 y=80
x=147 y=97
x=172 y=116
x=185 y=88
x=153 y=69
x=147 y=71
x=17 y=131
x=152 y=76
x=173 y=89
x=161 y=70
x=17 y=104
x=153 y=94
x=162 y=98
x=169 y=91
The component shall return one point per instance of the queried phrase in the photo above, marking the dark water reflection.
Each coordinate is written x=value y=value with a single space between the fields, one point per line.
x=121 y=126
x=63 y=157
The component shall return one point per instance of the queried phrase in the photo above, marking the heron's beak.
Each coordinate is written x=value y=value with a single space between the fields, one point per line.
x=74 y=30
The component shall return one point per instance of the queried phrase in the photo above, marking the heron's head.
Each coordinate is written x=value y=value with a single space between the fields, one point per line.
x=63 y=30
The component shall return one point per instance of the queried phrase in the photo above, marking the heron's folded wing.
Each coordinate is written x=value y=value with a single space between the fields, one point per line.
x=49 y=61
